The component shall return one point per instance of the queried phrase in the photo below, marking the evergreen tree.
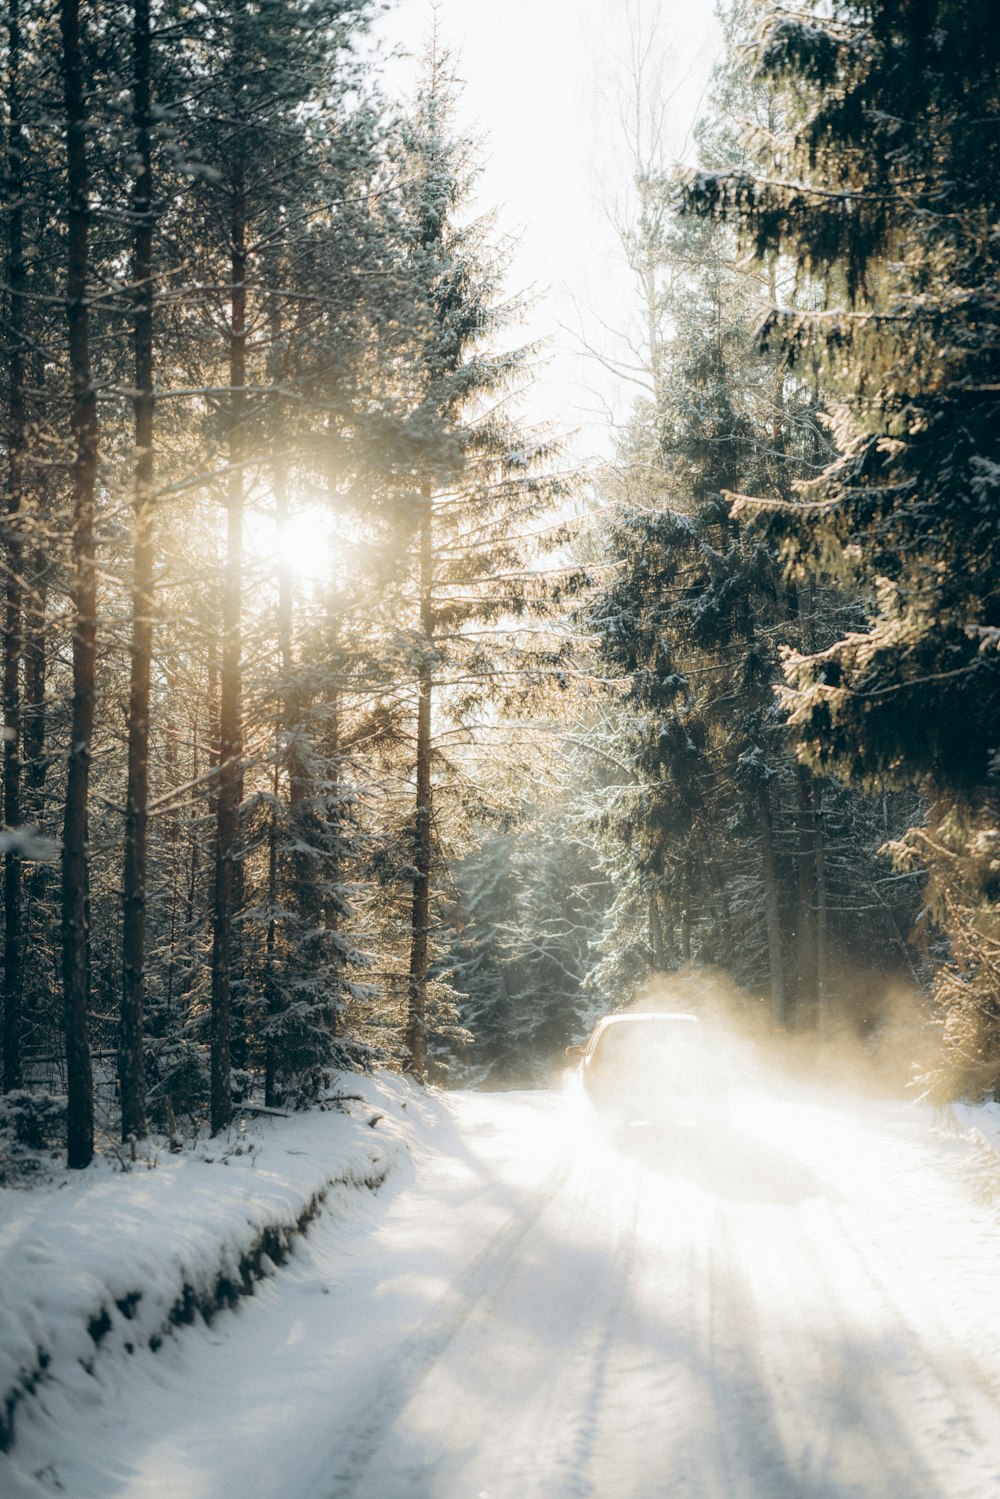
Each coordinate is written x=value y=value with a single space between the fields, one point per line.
x=724 y=834
x=16 y=342
x=84 y=430
x=479 y=478
x=522 y=928
x=280 y=364
x=883 y=189
x=693 y=613
x=267 y=138
x=132 y=1058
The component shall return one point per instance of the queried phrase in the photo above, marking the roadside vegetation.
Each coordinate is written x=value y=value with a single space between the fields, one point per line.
x=347 y=725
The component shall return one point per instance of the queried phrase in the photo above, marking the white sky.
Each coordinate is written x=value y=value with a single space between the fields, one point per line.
x=541 y=79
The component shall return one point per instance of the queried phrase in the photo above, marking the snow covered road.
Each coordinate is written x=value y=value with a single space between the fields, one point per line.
x=804 y=1305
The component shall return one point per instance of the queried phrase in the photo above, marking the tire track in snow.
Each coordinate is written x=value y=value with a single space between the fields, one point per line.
x=822 y=1365
x=507 y=1403
x=561 y=1432
x=417 y=1354
x=922 y=1370
x=653 y=1437
x=737 y=1315
x=712 y=1332
x=752 y=1461
x=824 y=1388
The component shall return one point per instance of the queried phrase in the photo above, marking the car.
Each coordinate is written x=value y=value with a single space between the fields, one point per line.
x=652 y=1066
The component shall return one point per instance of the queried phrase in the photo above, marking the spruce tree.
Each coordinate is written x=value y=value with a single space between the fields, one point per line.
x=884 y=192
x=135 y=872
x=272 y=80
x=84 y=434
x=478 y=478
x=15 y=340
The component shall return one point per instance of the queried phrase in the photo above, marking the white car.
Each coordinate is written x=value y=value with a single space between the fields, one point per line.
x=655 y=1066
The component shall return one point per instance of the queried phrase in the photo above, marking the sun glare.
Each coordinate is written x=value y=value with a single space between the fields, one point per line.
x=303 y=543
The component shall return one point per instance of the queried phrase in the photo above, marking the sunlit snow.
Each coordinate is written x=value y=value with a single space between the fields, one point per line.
x=799 y=1304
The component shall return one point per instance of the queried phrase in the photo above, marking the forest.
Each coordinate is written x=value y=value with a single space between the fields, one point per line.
x=348 y=720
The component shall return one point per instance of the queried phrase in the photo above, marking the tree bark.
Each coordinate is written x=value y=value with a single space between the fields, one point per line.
x=230 y=684
x=271 y=1098
x=13 y=613
x=33 y=704
x=131 y=1058
x=83 y=605
x=294 y=701
x=669 y=928
x=416 y=1024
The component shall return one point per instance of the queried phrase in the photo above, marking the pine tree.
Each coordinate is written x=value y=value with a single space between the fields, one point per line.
x=132 y=1064
x=84 y=430
x=723 y=853
x=521 y=931
x=478 y=478
x=693 y=613
x=318 y=284
x=260 y=148
x=16 y=444
x=884 y=191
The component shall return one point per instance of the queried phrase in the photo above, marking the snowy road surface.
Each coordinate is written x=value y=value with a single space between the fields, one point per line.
x=805 y=1305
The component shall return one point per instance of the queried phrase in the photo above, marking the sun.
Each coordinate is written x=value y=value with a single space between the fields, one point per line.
x=303 y=542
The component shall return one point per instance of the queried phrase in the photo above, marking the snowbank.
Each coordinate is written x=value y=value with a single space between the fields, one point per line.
x=116 y=1257
x=979 y=1121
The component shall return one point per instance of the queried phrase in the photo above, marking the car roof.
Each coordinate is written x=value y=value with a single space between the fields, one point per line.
x=644 y=1015
x=634 y=1018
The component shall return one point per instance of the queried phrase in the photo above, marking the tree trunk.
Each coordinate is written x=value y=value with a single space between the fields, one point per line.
x=284 y=728
x=686 y=917
x=230 y=687
x=416 y=1023
x=13 y=620
x=669 y=929
x=33 y=706
x=83 y=605
x=35 y=763
x=778 y=410
x=805 y=992
x=271 y=1099
x=294 y=703
x=722 y=913
x=172 y=774
x=822 y=987
x=131 y=1059
x=656 y=933
x=331 y=909
x=771 y=908
x=192 y=915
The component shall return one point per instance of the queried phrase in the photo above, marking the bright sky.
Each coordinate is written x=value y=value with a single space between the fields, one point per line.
x=542 y=78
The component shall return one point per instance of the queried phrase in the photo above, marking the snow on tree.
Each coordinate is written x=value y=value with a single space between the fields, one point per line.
x=883 y=190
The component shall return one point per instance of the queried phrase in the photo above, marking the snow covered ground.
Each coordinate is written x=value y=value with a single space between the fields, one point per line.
x=803 y=1305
